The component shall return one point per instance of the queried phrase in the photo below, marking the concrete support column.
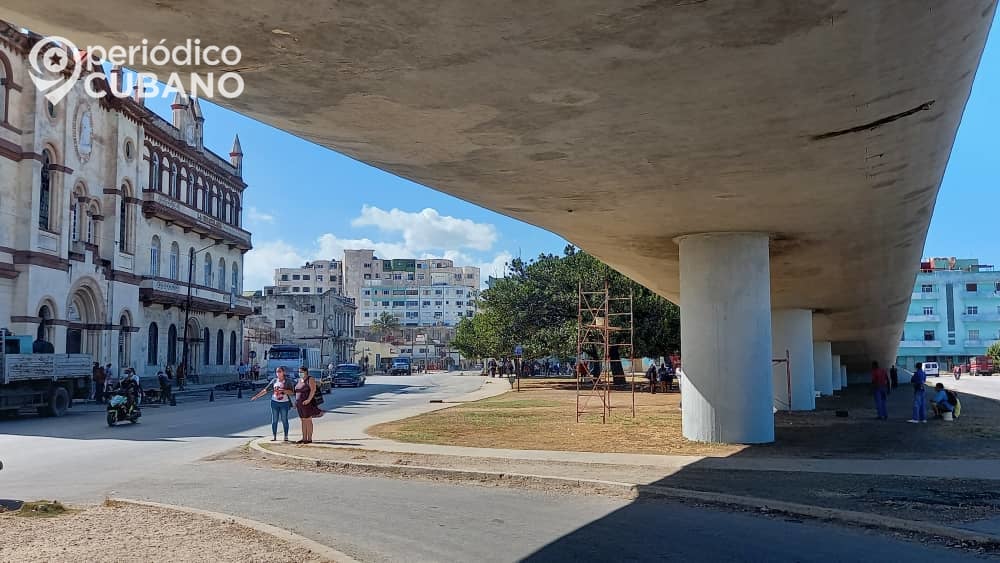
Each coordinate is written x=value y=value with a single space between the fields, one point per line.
x=791 y=331
x=822 y=366
x=843 y=376
x=726 y=323
x=835 y=373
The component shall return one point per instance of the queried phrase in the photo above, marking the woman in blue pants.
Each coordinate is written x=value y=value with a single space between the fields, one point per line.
x=281 y=391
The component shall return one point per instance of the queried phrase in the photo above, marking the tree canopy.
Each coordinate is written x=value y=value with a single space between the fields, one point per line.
x=536 y=306
x=385 y=324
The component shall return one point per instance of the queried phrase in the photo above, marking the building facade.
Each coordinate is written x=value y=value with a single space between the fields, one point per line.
x=324 y=321
x=954 y=313
x=105 y=208
x=312 y=278
x=425 y=292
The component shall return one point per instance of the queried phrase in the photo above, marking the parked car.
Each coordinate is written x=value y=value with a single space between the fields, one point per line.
x=401 y=366
x=352 y=375
x=931 y=369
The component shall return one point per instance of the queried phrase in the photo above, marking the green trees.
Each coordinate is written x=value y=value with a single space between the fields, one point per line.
x=385 y=324
x=993 y=353
x=536 y=306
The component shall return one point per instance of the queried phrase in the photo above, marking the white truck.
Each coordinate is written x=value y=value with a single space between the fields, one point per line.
x=292 y=357
x=46 y=382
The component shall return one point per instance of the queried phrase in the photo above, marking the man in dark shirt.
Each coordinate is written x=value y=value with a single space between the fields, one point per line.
x=880 y=388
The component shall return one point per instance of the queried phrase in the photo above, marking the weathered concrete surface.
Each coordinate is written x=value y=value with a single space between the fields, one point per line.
x=624 y=124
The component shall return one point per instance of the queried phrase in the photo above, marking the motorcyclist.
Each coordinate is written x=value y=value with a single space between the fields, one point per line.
x=130 y=386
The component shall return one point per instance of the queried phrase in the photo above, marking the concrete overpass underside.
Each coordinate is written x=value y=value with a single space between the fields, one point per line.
x=818 y=128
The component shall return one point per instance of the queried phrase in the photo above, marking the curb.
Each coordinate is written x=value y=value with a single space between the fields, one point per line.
x=637 y=491
x=607 y=488
x=290 y=537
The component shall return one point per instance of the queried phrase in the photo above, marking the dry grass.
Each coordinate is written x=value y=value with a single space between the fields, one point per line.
x=542 y=418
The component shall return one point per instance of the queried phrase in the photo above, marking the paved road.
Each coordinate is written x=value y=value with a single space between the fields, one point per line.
x=377 y=519
x=79 y=459
x=984 y=386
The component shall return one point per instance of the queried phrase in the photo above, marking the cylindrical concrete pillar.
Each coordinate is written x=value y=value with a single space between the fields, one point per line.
x=843 y=376
x=726 y=347
x=791 y=332
x=835 y=373
x=822 y=366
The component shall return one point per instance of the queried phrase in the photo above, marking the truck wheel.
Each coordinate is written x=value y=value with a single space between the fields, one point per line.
x=58 y=402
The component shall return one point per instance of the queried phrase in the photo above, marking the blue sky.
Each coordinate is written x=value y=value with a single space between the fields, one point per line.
x=306 y=202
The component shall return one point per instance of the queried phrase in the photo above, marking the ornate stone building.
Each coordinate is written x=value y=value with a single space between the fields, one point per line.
x=110 y=216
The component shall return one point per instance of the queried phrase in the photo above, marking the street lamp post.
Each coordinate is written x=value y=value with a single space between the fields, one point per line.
x=187 y=306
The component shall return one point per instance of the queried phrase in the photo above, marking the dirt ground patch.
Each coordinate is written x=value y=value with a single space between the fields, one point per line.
x=118 y=532
x=542 y=416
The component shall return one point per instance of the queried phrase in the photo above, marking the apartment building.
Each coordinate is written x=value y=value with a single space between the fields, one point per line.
x=311 y=279
x=324 y=321
x=954 y=313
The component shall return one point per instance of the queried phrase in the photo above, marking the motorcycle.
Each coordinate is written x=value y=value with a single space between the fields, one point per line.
x=119 y=410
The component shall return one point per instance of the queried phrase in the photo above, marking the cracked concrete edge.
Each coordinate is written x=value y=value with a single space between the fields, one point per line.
x=282 y=534
x=638 y=491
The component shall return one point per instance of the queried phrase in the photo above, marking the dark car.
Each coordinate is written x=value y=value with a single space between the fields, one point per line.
x=352 y=375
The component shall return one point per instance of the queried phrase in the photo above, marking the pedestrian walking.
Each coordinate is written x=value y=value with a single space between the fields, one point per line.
x=99 y=381
x=281 y=391
x=651 y=376
x=894 y=376
x=306 y=393
x=880 y=390
x=181 y=375
x=918 y=380
x=164 y=381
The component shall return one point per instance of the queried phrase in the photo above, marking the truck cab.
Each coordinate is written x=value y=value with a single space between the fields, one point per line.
x=401 y=366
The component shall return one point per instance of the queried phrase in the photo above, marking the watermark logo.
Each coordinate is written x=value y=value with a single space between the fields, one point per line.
x=57 y=65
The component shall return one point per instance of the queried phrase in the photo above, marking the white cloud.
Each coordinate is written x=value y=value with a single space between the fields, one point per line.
x=496 y=267
x=260 y=262
x=258 y=217
x=428 y=229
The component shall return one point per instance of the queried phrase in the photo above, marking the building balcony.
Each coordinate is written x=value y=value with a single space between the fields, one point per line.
x=927 y=296
x=920 y=344
x=157 y=204
x=171 y=293
x=923 y=318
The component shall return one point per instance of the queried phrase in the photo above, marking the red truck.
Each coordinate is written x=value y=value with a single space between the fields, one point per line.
x=980 y=365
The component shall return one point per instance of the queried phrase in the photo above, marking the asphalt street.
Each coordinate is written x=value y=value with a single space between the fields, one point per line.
x=79 y=459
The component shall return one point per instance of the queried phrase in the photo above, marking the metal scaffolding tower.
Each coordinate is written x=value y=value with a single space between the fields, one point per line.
x=604 y=338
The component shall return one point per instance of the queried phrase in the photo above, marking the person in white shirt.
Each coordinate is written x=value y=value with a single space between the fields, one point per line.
x=280 y=389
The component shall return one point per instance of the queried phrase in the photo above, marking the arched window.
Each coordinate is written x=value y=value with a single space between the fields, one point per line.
x=175 y=192
x=208 y=271
x=219 y=343
x=45 y=193
x=172 y=345
x=91 y=225
x=44 y=324
x=154 y=172
x=222 y=274
x=124 y=342
x=204 y=199
x=4 y=79
x=236 y=278
x=74 y=220
x=154 y=257
x=207 y=337
x=175 y=261
x=189 y=196
x=152 y=350
x=232 y=348
x=124 y=219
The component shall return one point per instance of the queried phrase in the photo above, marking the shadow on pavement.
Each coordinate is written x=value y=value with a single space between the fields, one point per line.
x=225 y=417
x=647 y=529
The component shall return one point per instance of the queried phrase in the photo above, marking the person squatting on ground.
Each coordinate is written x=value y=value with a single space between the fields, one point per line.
x=945 y=403
x=281 y=390
x=306 y=394
x=880 y=389
x=918 y=380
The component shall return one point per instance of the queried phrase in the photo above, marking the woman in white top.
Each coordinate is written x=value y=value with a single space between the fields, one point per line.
x=280 y=389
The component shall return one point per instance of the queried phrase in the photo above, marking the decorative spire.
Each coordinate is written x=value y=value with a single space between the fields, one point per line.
x=196 y=109
x=236 y=156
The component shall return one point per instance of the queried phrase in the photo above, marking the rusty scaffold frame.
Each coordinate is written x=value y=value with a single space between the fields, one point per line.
x=604 y=337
